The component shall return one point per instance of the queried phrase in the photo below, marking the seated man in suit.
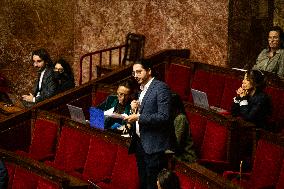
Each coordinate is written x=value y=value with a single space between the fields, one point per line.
x=118 y=104
x=45 y=87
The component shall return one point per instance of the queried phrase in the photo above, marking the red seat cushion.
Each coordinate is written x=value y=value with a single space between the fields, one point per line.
x=214 y=145
x=100 y=160
x=46 y=184
x=72 y=150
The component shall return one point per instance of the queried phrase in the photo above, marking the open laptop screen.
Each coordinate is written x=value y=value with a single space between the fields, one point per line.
x=200 y=98
x=76 y=114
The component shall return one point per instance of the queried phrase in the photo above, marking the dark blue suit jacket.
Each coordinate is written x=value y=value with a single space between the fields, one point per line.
x=156 y=127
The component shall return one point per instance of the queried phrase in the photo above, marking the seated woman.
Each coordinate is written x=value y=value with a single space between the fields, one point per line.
x=63 y=75
x=118 y=104
x=251 y=102
x=271 y=59
x=184 y=150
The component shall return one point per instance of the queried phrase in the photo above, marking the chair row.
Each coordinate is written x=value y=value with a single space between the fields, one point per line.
x=217 y=139
x=27 y=173
x=82 y=152
x=268 y=165
x=220 y=84
x=89 y=154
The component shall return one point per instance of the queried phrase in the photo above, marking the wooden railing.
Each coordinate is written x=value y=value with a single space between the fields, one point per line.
x=100 y=54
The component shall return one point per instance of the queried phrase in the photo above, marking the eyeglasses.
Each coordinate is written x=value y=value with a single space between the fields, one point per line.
x=122 y=95
x=137 y=72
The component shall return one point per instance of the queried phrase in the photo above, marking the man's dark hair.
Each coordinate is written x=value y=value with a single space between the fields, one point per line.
x=43 y=54
x=147 y=64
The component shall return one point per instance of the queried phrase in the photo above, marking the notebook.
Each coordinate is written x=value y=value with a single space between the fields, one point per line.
x=200 y=99
x=76 y=114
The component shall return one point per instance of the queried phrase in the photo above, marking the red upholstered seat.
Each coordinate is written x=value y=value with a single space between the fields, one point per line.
x=230 y=87
x=43 y=142
x=186 y=182
x=46 y=184
x=210 y=83
x=11 y=172
x=100 y=160
x=277 y=100
x=72 y=150
x=178 y=78
x=266 y=168
x=214 y=146
x=125 y=173
x=24 y=179
x=280 y=183
x=99 y=97
x=197 y=129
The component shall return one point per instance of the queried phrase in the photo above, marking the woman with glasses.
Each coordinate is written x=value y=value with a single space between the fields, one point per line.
x=118 y=104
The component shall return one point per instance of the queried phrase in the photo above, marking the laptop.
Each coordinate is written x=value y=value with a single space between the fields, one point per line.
x=200 y=99
x=76 y=114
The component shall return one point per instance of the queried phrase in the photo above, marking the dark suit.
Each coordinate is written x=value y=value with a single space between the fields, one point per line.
x=112 y=102
x=156 y=133
x=48 y=86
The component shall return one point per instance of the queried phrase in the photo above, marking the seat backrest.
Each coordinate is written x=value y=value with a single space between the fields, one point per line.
x=134 y=50
x=277 y=100
x=197 y=125
x=210 y=83
x=267 y=164
x=214 y=146
x=280 y=182
x=100 y=160
x=125 y=173
x=72 y=149
x=185 y=181
x=99 y=96
x=44 y=138
x=230 y=87
x=24 y=179
x=178 y=78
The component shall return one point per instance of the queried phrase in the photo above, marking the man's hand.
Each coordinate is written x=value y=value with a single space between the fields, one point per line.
x=134 y=106
x=132 y=118
x=28 y=98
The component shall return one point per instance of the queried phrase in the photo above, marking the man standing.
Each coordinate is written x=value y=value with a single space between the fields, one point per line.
x=153 y=132
x=45 y=87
